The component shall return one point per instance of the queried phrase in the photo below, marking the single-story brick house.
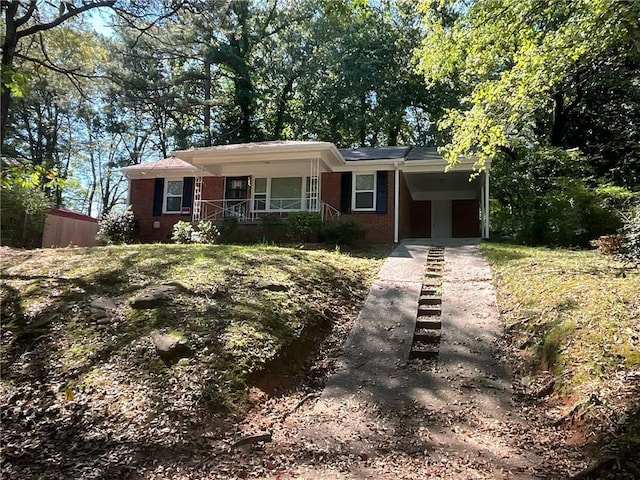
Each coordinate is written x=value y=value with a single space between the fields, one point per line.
x=394 y=192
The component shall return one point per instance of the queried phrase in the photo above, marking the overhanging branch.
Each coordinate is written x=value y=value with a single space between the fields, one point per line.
x=63 y=18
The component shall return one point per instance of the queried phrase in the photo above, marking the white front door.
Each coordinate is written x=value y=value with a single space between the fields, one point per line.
x=441 y=219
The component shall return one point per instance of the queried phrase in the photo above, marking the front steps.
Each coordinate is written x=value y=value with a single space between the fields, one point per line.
x=426 y=337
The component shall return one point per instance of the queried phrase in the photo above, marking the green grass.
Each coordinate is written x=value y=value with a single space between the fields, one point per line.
x=235 y=329
x=578 y=312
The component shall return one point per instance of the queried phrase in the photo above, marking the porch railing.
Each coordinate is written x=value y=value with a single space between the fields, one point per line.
x=241 y=210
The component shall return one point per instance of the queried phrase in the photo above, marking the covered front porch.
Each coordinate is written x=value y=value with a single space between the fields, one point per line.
x=273 y=178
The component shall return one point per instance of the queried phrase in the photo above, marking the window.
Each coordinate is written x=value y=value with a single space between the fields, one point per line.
x=286 y=193
x=173 y=197
x=364 y=192
x=281 y=193
x=260 y=194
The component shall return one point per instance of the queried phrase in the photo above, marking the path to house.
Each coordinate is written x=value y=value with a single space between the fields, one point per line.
x=382 y=416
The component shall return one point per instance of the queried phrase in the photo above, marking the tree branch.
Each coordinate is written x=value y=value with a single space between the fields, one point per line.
x=27 y=15
x=55 y=68
x=62 y=18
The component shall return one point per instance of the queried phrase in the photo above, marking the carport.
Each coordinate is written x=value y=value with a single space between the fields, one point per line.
x=439 y=204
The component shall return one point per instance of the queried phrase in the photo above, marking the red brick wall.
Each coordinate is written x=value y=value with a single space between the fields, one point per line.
x=330 y=189
x=213 y=188
x=141 y=195
x=379 y=227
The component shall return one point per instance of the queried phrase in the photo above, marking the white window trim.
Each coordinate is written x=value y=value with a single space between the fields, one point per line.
x=303 y=198
x=164 y=196
x=353 y=192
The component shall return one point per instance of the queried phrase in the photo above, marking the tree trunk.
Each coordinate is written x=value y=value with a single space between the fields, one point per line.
x=207 y=102
x=282 y=108
x=8 y=51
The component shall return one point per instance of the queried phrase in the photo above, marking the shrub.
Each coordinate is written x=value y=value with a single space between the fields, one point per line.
x=303 y=226
x=22 y=213
x=203 y=232
x=117 y=226
x=208 y=232
x=228 y=230
x=182 y=232
x=609 y=244
x=343 y=231
x=272 y=228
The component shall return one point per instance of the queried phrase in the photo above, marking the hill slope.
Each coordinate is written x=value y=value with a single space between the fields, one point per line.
x=85 y=385
x=572 y=319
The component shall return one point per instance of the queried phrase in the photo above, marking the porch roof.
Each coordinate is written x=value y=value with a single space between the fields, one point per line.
x=159 y=168
x=275 y=155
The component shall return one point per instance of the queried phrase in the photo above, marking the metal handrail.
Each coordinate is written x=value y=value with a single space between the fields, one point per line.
x=242 y=210
x=327 y=212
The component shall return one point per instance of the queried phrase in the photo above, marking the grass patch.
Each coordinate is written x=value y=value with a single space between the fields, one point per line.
x=578 y=311
x=577 y=315
x=234 y=325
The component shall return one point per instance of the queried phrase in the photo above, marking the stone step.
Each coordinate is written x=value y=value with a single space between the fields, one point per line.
x=428 y=323
x=429 y=299
x=432 y=275
x=423 y=354
x=425 y=336
x=429 y=310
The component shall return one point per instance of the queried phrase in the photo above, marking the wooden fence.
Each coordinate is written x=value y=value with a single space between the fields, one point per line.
x=63 y=228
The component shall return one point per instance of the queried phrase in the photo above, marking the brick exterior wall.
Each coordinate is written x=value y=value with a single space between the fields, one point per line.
x=141 y=197
x=379 y=227
x=415 y=216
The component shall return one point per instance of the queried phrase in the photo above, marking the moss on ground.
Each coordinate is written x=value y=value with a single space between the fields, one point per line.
x=234 y=327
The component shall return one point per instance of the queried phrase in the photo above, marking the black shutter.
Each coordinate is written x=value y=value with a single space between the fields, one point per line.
x=345 y=192
x=187 y=193
x=381 y=192
x=158 y=194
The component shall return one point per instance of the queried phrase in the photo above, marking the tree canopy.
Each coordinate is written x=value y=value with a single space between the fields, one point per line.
x=546 y=89
x=537 y=73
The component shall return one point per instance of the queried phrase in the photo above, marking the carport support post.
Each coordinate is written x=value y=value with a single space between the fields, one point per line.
x=485 y=199
x=396 y=201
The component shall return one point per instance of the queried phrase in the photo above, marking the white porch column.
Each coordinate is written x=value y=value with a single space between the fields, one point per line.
x=313 y=195
x=396 y=203
x=196 y=214
x=486 y=205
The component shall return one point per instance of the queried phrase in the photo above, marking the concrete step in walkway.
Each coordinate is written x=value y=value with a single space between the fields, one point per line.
x=427 y=335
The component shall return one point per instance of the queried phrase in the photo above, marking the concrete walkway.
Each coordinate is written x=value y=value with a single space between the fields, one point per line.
x=378 y=401
x=376 y=366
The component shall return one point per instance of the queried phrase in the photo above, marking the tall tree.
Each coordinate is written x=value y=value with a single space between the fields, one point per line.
x=530 y=67
x=23 y=22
